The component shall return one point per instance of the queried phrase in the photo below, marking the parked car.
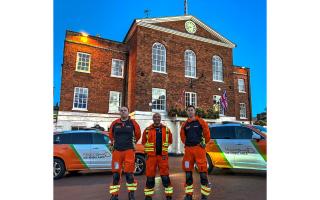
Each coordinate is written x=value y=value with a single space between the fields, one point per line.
x=80 y=150
x=236 y=146
x=260 y=128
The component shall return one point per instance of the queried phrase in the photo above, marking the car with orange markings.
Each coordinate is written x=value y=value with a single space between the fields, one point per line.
x=236 y=146
x=80 y=150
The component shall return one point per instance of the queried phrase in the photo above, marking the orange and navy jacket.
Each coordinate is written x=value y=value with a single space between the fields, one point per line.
x=192 y=131
x=149 y=139
x=124 y=133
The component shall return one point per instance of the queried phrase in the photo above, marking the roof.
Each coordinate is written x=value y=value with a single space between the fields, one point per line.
x=149 y=23
x=222 y=125
x=80 y=131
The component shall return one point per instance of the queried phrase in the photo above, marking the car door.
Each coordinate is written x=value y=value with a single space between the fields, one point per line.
x=247 y=153
x=81 y=146
x=101 y=155
x=224 y=140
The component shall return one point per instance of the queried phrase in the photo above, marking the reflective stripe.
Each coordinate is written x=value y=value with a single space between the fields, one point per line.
x=148 y=191
x=189 y=189
x=114 y=189
x=149 y=144
x=205 y=190
x=168 y=190
x=132 y=186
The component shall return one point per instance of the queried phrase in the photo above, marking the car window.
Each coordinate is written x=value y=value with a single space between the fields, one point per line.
x=222 y=132
x=81 y=138
x=243 y=133
x=61 y=139
x=99 y=139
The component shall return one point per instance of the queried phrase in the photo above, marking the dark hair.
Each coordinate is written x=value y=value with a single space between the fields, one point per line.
x=191 y=106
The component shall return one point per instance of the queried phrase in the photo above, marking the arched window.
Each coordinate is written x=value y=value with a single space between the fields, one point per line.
x=158 y=57
x=217 y=68
x=190 y=64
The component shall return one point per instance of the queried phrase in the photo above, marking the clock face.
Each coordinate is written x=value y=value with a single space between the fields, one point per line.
x=190 y=26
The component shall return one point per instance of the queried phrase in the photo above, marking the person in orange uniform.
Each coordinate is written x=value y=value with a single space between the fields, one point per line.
x=124 y=134
x=195 y=134
x=156 y=138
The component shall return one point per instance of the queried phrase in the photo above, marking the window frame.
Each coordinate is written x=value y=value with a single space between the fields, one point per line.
x=214 y=69
x=245 y=111
x=195 y=64
x=165 y=100
x=120 y=101
x=77 y=60
x=74 y=96
x=164 y=56
x=243 y=85
x=122 y=68
x=190 y=98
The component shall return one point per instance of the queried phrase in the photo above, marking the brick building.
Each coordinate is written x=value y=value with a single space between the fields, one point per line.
x=162 y=63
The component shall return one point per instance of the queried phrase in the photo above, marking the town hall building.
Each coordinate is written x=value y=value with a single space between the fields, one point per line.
x=162 y=64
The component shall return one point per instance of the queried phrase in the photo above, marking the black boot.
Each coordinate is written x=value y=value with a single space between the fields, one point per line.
x=204 y=197
x=188 y=197
x=148 y=198
x=169 y=197
x=131 y=195
x=114 y=197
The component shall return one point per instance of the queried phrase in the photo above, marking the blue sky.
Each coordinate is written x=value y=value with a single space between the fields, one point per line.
x=241 y=21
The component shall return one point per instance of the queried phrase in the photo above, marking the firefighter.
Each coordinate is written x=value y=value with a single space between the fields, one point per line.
x=194 y=135
x=124 y=134
x=156 y=138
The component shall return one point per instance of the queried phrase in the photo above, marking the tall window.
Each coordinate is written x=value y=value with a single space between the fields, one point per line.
x=190 y=64
x=217 y=68
x=158 y=58
x=117 y=68
x=83 y=62
x=158 y=99
x=243 y=112
x=80 y=99
x=241 y=85
x=114 y=102
x=217 y=98
x=191 y=99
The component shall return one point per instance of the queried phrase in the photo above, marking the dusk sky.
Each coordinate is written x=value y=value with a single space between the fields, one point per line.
x=241 y=21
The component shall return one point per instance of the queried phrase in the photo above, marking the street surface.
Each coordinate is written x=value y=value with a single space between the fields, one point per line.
x=227 y=185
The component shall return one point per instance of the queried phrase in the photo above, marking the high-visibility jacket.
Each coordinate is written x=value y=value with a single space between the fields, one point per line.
x=204 y=126
x=149 y=139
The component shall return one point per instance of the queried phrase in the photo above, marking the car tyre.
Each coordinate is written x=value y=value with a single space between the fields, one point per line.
x=59 y=168
x=140 y=165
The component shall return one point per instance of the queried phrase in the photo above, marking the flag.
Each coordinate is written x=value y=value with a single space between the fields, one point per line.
x=224 y=100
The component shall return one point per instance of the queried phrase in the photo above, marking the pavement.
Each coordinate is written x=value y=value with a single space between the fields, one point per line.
x=227 y=185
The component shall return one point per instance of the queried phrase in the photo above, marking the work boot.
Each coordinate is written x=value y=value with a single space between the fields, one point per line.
x=204 y=197
x=148 y=198
x=131 y=195
x=114 y=197
x=188 y=197
x=169 y=197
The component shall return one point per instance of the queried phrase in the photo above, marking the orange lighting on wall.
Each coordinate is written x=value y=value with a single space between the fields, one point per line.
x=84 y=37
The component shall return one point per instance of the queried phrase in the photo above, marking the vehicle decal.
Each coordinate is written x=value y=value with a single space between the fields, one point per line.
x=221 y=153
x=259 y=150
x=79 y=156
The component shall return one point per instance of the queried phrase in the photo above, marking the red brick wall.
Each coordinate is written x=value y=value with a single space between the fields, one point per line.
x=98 y=81
x=174 y=82
x=240 y=73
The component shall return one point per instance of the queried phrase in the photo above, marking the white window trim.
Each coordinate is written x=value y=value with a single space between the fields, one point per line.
x=120 y=100
x=165 y=59
x=74 y=96
x=244 y=86
x=213 y=75
x=83 y=71
x=196 y=99
x=115 y=76
x=165 y=106
x=195 y=63
x=218 y=81
x=240 y=111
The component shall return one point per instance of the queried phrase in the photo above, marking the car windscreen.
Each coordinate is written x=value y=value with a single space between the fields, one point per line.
x=99 y=138
x=261 y=128
x=243 y=133
x=222 y=132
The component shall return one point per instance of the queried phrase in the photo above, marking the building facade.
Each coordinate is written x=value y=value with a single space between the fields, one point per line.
x=162 y=63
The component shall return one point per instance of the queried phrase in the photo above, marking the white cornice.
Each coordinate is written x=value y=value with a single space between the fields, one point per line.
x=182 y=34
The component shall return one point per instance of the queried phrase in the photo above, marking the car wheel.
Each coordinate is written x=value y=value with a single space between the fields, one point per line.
x=209 y=164
x=58 y=168
x=140 y=165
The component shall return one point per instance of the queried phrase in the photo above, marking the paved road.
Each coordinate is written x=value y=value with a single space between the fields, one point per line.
x=227 y=185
